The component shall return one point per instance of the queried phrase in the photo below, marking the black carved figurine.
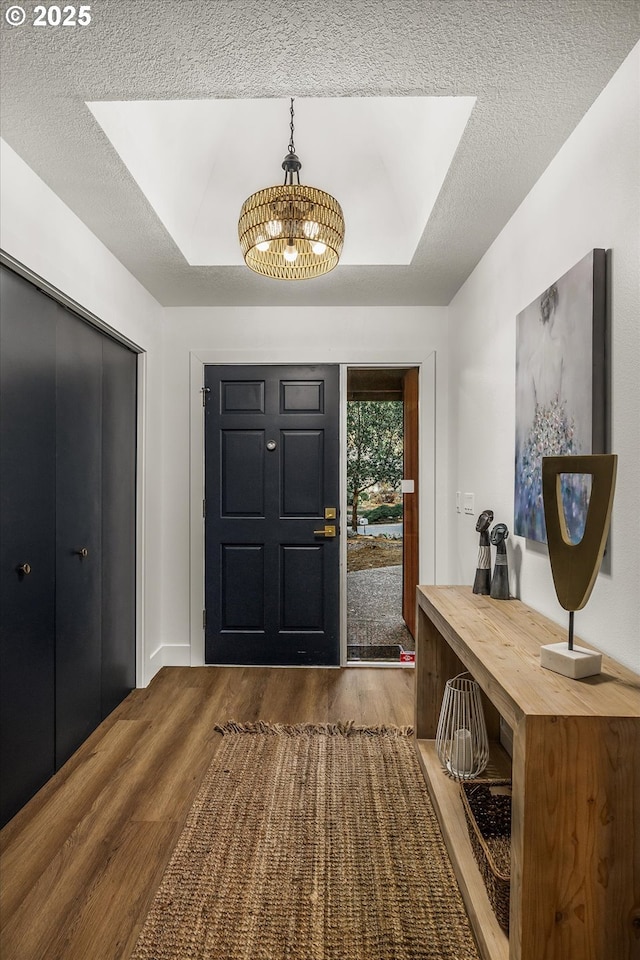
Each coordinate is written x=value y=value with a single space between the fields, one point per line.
x=500 y=582
x=482 y=582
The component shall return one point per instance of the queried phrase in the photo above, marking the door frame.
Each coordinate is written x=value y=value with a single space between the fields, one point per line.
x=424 y=369
x=281 y=357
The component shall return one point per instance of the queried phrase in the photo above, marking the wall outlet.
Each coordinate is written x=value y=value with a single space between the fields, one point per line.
x=469 y=504
x=458 y=501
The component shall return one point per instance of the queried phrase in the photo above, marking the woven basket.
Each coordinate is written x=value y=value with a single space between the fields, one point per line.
x=487 y=807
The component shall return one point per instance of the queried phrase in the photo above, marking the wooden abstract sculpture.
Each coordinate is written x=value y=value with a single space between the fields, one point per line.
x=575 y=566
x=482 y=582
x=500 y=581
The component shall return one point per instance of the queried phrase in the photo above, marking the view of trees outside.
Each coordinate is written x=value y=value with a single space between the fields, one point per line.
x=374 y=450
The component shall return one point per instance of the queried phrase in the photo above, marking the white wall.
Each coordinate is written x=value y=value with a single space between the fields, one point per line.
x=40 y=231
x=588 y=197
x=385 y=335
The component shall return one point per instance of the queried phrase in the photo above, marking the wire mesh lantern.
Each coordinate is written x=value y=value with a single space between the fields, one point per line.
x=461 y=738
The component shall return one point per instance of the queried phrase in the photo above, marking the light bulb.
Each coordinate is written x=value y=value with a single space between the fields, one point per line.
x=274 y=227
x=263 y=245
x=290 y=252
x=311 y=229
x=318 y=247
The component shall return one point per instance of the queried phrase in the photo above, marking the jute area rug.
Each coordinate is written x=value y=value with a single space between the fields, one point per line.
x=309 y=843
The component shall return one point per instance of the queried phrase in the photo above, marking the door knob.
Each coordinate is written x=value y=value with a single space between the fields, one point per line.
x=83 y=552
x=24 y=569
x=328 y=530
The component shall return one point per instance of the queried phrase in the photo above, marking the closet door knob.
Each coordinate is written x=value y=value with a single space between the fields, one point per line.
x=83 y=552
x=24 y=569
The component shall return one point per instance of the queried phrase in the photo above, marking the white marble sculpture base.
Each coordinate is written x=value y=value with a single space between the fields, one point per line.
x=576 y=663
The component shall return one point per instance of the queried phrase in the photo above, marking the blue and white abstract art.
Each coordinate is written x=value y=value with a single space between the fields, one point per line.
x=560 y=392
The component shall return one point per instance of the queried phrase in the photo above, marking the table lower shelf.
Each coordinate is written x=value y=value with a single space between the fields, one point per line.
x=493 y=942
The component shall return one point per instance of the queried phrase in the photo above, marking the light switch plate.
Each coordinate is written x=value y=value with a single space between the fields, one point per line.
x=469 y=504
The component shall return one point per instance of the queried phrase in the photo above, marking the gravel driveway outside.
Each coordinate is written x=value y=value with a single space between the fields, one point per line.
x=374 y=608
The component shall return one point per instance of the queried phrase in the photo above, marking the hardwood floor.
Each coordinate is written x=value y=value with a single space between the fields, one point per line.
x=81 y=862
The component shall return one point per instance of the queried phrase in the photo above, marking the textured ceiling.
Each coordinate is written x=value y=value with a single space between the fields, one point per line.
x=535 y=66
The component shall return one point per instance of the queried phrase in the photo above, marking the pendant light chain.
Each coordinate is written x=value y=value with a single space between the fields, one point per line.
x=291 y=147
x=291 y=164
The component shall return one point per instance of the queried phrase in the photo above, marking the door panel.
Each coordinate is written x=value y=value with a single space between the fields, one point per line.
x=240 y=397
x=27 y=521
x=119 y=399
x=78 y=527
x=302 y=472
x=242 y=593
x=242 y=473
x=410 y=559
x=298 y=567
x=302 y=396
x=271 y=468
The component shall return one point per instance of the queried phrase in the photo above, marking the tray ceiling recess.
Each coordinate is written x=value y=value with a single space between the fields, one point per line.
x=384 y=158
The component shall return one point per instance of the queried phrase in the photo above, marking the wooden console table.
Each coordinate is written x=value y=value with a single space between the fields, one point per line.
x=575 y=847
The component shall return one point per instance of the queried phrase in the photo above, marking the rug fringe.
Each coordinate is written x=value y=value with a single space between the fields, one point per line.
x=343 y=728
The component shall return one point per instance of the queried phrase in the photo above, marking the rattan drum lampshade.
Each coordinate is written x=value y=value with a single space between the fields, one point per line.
x=291 y=231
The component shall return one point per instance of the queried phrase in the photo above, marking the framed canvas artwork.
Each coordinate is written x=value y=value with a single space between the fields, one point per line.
x=560 y=392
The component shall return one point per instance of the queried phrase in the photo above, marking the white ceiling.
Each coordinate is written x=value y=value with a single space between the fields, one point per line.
x=534 y=68
x=197 y=161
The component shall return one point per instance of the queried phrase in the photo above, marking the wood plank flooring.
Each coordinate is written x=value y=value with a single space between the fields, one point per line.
x=81 y=862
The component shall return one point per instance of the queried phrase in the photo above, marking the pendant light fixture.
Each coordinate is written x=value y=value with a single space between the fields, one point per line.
x=291 y=231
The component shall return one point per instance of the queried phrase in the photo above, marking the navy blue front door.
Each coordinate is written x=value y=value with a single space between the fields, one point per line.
x=271 y=481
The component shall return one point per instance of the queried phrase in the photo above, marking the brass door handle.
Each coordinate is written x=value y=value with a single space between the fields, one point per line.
x=83 y=552
x=24 y=569
x=328 y=530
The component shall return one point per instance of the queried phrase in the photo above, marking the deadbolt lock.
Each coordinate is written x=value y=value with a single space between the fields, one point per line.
x=330 y=513
x=328 y=530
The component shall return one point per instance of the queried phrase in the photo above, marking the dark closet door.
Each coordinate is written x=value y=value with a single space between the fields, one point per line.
x=78 y=532
x=27 y=536
x=118 y=523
